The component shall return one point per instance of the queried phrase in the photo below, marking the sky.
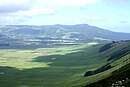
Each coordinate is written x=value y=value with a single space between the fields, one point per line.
x=108 y=14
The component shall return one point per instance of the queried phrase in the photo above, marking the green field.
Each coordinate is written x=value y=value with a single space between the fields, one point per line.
x=54 y=67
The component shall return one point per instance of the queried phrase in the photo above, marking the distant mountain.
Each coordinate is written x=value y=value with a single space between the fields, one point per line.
x=95 y=32
x=76 y=33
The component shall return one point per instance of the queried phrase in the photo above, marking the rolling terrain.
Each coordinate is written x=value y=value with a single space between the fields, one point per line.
x=63 y=66
x=61 y=56
x=56 y=35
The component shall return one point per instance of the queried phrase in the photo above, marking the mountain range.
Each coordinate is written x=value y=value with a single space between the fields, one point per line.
x=63 y=34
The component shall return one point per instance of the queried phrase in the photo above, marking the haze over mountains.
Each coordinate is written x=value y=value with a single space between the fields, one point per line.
x=64 y=34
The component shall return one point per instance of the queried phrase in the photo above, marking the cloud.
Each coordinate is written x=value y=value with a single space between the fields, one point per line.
x=11 y=11
x=69 y=2
x=93 y=19
x=36 y=11
x=10 y=6
x=97 y=18
x=43 y=6
x=116 y=2
x=10 y=20
x=51 y=6
x=123 y=22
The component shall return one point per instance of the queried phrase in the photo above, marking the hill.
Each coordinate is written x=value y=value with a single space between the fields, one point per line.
x=118 y=66
x=51 y=35
x=61 y=66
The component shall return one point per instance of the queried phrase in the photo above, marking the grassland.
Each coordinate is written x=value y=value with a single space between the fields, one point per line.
x=53 y=67
x=46 y=67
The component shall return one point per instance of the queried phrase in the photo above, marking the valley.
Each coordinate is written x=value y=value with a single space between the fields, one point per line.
x=59 y=66
x=66 y=56
x=64 y=43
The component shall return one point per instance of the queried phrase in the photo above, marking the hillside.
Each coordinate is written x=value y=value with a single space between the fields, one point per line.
x=118 y=66
x=51 y=35
x=120 y=77
x=60 y=66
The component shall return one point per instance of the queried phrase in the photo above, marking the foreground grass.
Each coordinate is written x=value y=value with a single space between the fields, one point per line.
x=47 y=67
x=53 y=67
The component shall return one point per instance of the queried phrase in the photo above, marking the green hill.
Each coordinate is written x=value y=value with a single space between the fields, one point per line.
x=119 y=62
x=61 y=66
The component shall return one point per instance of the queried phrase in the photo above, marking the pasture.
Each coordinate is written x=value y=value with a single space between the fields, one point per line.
x=52 y=67
x=46 y=67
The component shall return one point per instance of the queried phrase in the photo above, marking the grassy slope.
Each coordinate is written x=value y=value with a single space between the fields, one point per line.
x=36 y=68
x=53 y=67
x=122 y=73
x=117 y=64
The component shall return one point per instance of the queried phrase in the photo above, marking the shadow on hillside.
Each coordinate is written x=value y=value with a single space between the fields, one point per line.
x=35 y=77
x=61 y=67
x=72 y=59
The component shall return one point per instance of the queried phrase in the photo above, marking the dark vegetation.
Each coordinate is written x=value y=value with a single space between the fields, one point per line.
x=117 y=49
x=106 y=47
x=101 y=69
x=119 y=78
x=118 y=54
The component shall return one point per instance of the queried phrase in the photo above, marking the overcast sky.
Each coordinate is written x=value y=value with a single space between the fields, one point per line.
x=108 y=14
